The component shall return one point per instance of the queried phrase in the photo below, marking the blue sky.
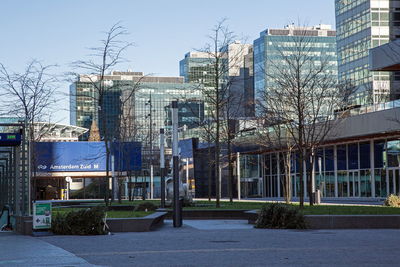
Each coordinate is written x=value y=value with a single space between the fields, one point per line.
x=60 y=31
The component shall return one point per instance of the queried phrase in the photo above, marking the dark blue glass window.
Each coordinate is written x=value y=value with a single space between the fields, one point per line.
x=329 y=159
x=341 y=158
x=293 y=163
x=365 y=162
x=274 y=165
x=379 y=149
x=267 y=164
x=352 y=161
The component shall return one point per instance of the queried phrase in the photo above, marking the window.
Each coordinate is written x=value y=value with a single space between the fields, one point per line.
x=329 y=159
x=341 y=157
x=365 y=162
x=352 y=156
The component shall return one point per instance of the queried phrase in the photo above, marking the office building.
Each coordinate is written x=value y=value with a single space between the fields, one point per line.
x=362 y=25
x=133 y=101
x=272 y=44
x=235 y=71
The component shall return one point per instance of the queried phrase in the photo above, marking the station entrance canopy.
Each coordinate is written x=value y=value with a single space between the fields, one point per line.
x=14 y=176
x=55 y=159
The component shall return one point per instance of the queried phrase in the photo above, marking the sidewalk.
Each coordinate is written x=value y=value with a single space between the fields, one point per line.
x=19 y=250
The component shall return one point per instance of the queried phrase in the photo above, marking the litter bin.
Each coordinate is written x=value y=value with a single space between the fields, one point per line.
x=317 y=196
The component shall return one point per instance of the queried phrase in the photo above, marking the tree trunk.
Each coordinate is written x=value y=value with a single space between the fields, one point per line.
x=310 y=180
x=209 y=170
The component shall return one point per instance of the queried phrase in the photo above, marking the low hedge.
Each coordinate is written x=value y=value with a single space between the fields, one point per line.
x=146 y=206
x=280 y=216
x=89 y=221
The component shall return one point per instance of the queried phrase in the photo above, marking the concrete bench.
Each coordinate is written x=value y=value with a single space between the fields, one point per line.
x=142 y=224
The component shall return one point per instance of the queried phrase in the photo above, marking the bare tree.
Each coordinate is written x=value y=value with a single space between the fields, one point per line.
x=102 y=61
x=30 y=96
x=300 y=98
x=216 y=83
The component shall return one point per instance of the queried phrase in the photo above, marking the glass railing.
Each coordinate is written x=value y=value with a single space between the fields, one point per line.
x=374 y=108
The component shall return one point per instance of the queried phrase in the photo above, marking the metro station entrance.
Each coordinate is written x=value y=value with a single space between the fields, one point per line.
x=14 y=175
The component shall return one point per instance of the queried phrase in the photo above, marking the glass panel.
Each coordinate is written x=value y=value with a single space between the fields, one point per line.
x=329 y=160
x=365 y=179
x=273 y=184
x=351 y=183
x=380 y=183
x=330 y=184
x=274 y=166
x=391 y=185
x=393 y=153
x=365 y=156
x=267 y=164
x=282 y=161
x=297 y=186
x=397 y=181
x=353 y=156
x=342 y=184
x=356 y=184
x=294 y=189
x=379 y=149
x=341 y=157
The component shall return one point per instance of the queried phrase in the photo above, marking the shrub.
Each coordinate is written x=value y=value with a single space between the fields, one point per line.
x=281 y=216
x=392 y=201
x=81 y=222
x=146 y=206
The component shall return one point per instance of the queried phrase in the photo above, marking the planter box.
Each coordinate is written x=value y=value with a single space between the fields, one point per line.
x=143 y=224
x=353 y=221
x=344 y=221
x=210 y=214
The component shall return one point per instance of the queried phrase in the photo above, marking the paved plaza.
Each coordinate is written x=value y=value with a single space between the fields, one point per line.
x=208 y=243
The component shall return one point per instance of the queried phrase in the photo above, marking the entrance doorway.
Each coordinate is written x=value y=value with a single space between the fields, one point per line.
x=393 y=182
x=354 y=184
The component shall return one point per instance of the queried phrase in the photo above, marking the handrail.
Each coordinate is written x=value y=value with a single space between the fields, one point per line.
x=7 y=226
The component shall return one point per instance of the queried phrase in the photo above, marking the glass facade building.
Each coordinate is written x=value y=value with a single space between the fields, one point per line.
x=145 y=105
x=363 y=169
x=273 y=43
x=362 y=25
x=137 y=107
x=235 y=70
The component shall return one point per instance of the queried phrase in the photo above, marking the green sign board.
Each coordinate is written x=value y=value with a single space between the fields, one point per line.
x=42 y=215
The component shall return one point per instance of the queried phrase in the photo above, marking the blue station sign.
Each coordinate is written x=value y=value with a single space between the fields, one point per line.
x=85 y=156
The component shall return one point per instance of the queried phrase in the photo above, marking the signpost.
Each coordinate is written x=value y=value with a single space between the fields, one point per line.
x=41 y=215
x=177 y=210
x=162 y=167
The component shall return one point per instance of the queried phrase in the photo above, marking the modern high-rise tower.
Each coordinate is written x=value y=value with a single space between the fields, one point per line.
x=273 y=44
x=235 y=71
x=362 y=25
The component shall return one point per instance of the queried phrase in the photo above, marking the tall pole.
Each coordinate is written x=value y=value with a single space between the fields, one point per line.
x=177 y=211
x=113 y=184
x=151 y=149
x=238 y=173
x=162 y=167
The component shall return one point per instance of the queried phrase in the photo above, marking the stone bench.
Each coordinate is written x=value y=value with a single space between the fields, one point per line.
x=141 y=224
